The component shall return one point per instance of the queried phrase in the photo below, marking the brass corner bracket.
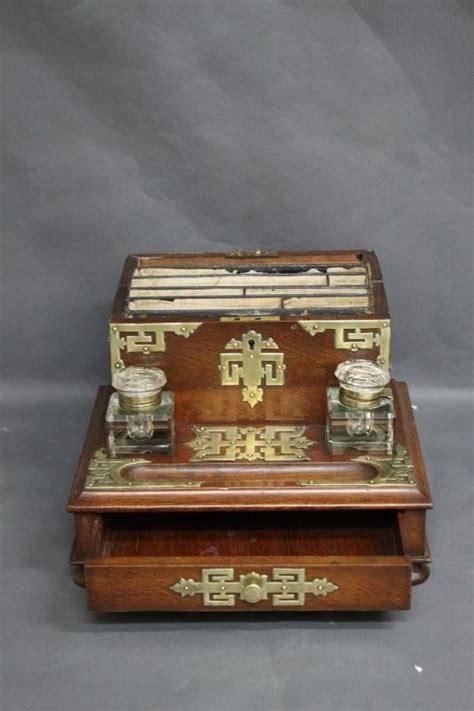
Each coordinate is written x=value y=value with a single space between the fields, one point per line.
x=146 y=339
x=354 y=335
x=106 y=472
x=396 y=470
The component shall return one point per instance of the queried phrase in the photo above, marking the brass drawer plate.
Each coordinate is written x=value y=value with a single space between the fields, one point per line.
x=288 y=587
x=306 y=583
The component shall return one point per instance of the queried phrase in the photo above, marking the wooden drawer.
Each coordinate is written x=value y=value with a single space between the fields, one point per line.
x=301 y=561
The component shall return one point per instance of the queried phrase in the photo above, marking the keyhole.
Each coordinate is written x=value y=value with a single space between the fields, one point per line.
x=251 y=344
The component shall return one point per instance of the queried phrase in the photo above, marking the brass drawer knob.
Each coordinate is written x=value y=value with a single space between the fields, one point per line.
x=253 y=587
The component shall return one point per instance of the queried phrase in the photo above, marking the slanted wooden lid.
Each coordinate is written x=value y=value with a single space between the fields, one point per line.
x=159 y=287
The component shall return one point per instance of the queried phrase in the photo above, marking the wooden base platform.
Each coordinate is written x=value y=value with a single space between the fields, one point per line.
x=326 y=533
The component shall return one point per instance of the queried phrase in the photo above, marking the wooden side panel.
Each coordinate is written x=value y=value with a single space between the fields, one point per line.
x=412 y=525
x=89 y=538
x=364 y=583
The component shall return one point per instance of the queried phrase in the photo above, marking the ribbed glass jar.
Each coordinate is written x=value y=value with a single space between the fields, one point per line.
x=140 y=415
x=360 y=411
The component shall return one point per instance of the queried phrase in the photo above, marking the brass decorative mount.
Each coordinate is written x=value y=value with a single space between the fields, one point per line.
x=250 y=363
x=106 y=472
x=354 y=335
x=271 y=443
x=146 y=339
x=395 y=470
x=288 y=587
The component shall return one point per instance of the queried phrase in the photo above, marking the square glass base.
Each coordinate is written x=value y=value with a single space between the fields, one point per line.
x=145 y=432
x=362 y=430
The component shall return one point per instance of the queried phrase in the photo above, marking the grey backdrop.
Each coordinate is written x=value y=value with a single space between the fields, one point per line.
x=175 y=125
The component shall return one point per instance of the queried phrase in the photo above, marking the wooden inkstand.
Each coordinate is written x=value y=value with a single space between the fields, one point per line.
x=253 y=453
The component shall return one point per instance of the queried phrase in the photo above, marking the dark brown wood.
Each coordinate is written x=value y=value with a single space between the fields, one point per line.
x=89 y=537
x=412 y=528
x=191 y=364
x=140 y=583
x=132 y=544
x=286 y=533
x=361 y=552
x=263 y=485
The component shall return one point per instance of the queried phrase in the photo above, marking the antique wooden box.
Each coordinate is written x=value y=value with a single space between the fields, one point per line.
x=248 y=508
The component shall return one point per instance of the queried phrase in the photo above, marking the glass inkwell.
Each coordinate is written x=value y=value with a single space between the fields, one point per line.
x=140 y=415
x=360 y=411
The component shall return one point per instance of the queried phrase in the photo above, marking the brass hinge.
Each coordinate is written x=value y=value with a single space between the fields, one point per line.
x=240 y=254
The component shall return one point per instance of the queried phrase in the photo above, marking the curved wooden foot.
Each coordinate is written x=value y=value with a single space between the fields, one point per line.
x=419 y=573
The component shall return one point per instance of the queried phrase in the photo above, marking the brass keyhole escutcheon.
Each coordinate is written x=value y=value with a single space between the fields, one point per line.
x=253 y=362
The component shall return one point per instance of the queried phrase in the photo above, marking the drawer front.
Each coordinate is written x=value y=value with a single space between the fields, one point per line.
x=253 y=584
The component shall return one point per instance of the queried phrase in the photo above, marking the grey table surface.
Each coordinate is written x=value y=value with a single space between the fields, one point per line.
x=144 y=126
